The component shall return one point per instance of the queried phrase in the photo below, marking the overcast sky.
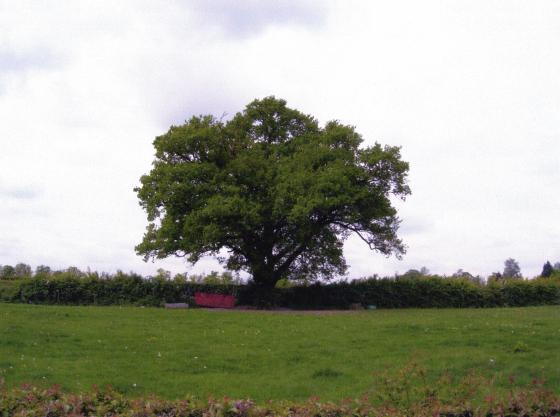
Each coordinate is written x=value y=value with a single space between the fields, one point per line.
x=469 y=89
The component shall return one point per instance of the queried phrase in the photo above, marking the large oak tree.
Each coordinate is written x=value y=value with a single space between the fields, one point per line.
x=274 y=189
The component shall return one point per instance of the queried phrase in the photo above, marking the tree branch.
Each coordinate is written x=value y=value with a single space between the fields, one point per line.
x=286 y=264
x=370 y=244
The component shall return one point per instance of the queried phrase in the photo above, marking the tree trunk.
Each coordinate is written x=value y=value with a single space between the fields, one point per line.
x=263 y=289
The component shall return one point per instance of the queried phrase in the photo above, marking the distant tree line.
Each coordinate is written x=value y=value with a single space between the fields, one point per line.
x=25 y=271
x=511 y=271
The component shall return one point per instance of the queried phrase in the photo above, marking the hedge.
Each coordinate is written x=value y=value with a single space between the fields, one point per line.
x=422 y=292
x=118 y=289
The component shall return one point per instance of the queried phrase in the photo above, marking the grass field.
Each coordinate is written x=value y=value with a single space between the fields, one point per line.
x=265 y=355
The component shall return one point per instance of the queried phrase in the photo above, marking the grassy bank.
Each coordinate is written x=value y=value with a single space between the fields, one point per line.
x=265 y=355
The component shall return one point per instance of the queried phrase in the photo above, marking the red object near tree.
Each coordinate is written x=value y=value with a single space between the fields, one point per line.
x=204 y=299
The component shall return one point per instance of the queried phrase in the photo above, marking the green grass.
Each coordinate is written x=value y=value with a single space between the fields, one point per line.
x=264 y=355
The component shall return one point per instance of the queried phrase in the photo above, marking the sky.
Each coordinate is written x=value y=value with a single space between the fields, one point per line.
x=469 y=89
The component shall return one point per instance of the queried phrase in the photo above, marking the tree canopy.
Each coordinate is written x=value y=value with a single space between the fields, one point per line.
x=272 y=189
x=547 y=270
x=511 y=269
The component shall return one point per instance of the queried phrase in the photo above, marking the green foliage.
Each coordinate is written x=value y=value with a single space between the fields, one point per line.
x=215 y=278
x=8 y=272
x=90 y=288
x=74 y=272
x=404 y=292
x=43 y=270
x=511 y=269
x=22 y=270
x=285 y=283
x=467 y=276
x=9 y=289
x=18 y=271
x=274 y=189
x=414 y=273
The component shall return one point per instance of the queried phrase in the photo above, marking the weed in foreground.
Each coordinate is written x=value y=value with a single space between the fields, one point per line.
x=407 y=393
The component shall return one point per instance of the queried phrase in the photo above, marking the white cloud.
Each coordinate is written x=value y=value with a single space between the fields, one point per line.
x=249 y=17
x=26 y=192
x=470 y=91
